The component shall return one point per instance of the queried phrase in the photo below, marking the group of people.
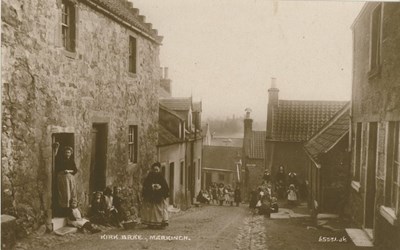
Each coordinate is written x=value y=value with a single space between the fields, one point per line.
x=265 y=198
x=106 y=206
x=220 y=194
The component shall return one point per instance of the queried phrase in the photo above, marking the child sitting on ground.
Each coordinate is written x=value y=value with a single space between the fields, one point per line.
x=274 y=205
x=97 y=212
x=111 y=212
x=75 y=219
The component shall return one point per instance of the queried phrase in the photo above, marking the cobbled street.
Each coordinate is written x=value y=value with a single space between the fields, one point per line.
x=206 y=227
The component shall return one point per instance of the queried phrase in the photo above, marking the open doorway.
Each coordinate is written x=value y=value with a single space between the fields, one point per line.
x=98 y=161
x=64 y=139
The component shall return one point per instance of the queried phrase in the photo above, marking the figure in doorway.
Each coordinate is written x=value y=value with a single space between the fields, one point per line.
x=65 y=169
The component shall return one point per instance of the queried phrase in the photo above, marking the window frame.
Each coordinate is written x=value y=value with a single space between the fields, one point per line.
x=375 y=41
x=133 y=141
x=132 y=54
x=68 y=25
x=392 y=182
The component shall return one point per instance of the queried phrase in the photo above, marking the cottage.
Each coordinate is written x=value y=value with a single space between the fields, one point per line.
x=374 y=202
x=290 y=123
x=83 y=74
x=190 y=166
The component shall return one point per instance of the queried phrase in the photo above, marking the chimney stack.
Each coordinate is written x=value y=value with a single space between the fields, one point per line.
x=166 y=73
x=165 y=84
x=273 y=103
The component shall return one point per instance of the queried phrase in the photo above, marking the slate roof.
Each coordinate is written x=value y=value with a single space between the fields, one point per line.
x=125 y=11
x=257 y=145
x=220 y=157
x=297 y=121
x=165 y=137
x=177 y=103
x=330 y=134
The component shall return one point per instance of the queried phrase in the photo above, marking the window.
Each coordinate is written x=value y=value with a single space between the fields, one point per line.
x=133 y=143
x=199 y=169
x=392 y=166
x=357 y=159
x=68 y=25
x=181 y=180
x=375 y=39
x=221 y=177
x=132 y=54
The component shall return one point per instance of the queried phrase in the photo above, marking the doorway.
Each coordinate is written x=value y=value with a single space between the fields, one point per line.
x=370 y=177
x=98 y=160
x=172 y=183
x=64 y=139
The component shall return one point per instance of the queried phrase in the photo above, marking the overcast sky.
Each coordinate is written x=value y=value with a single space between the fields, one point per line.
x=224 y=52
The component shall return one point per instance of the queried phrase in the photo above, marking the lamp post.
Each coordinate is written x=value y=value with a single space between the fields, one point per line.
x=240 y=177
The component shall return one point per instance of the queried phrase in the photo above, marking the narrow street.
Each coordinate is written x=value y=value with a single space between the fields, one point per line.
x=209 y=227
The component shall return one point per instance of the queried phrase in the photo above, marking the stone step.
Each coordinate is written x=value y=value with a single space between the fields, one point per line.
x=359 y=237
x=58 y=223
x=65 y=230
x=8 y=235
x=370 y=232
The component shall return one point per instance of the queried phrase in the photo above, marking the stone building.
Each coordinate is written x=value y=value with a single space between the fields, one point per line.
x=375 y=111
x=329 y=167
x=290 y=123
x=83 y=73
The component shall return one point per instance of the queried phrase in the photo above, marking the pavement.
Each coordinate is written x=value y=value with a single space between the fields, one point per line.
x=213 y=227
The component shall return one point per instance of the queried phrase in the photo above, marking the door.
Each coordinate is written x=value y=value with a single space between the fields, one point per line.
x=171 y=183
x=208 y=180
x=371 y=176
x=64 y=139
x=98 y=161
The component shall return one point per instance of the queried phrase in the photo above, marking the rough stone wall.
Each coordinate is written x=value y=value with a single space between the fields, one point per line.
x=46 y=91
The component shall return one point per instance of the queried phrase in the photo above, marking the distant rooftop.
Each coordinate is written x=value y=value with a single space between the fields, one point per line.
x=177 y=103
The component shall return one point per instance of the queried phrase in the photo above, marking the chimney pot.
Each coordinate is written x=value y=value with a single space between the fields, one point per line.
x=166 y=73
x=273 y=83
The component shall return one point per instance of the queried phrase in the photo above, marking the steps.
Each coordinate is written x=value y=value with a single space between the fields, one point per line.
x=360 y=237
x=60 y=226
x=58 y=222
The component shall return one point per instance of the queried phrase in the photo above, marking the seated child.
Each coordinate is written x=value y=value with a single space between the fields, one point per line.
x=111 y=212
x=292 y=195
x=75 y=219
x=274 y=205
x=97 y=212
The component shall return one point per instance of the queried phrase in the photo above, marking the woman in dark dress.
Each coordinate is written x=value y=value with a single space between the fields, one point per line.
x=280 y=182
x=65 y=169
x=155 y=191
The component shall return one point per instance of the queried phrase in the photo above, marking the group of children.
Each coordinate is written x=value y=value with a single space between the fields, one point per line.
x=106 y=208
x=220 y=194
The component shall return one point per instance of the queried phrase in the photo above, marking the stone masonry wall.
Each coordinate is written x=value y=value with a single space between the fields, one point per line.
x=46 y=91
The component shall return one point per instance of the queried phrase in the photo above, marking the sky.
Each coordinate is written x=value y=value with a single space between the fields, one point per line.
x=225 y=52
